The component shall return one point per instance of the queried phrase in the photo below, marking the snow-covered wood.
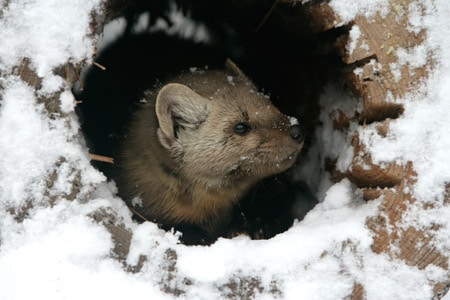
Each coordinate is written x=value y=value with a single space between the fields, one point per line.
x=378 y=71
x=376 y=74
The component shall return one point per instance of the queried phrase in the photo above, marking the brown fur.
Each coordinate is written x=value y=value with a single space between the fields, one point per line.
x=183 y=158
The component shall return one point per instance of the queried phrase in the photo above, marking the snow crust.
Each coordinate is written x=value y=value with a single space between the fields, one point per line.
x=421 y=134
x=347 y=10
x=29 y=26
x=353 y=36
x=59 y=252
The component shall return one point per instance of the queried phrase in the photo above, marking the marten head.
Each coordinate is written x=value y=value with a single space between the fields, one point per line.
x=220 y=130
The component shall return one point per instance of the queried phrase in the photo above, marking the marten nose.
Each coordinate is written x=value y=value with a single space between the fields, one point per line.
x=296 y=134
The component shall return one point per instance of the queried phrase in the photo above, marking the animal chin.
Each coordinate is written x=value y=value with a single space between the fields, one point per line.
x=287 y=161
x=267 y=167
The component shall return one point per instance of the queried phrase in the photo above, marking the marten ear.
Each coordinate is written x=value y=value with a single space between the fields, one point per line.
x=234 y=69
x=177 y=108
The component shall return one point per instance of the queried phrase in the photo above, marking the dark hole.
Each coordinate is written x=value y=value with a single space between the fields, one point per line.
x=281 y=55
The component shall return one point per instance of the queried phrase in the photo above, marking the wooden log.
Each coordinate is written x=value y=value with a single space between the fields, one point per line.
x=374 y=73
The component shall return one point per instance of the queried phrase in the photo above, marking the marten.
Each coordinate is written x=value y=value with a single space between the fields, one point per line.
x=197 y=146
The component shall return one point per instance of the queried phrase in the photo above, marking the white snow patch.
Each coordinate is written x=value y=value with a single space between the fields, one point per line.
x=421 y=133
x=51 y=84
x=335 y=144
x=396 y=72
x=31 y=144
x=338 y=196
x=348 y=10
x=353 y=37
x=293 y=120
x=67 y=102
x=60 y=253
x=416 y=11
x=230 y=80
x=49 y=33
x=416 y=56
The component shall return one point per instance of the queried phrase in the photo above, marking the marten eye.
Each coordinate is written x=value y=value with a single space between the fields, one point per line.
x=242 y=128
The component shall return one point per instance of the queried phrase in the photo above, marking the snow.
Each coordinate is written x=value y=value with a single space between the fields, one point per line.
x=61 y=254
x=293 y=120
x=58 y=251
x=25 y=146
x=353 y=36
x=347 y=10
x=31 y=38
x=421 y=135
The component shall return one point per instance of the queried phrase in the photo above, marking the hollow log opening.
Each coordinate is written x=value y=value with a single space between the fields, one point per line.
x=367 y=81
x=336 y=75
x=273 y=42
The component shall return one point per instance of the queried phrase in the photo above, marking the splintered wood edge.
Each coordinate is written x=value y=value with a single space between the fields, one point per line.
x=370 y=76
x=101 y=158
